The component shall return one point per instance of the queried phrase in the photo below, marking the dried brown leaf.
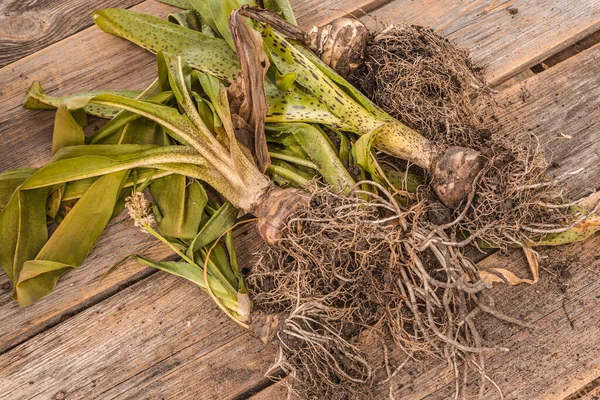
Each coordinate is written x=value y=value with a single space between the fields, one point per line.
x=255 y=63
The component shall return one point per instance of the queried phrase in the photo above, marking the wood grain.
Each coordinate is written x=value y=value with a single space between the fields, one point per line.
x=26 y=137
x=554 y=360
x=274 y=392
x=29 y=26
x=79 y=289
x=593 y=395
x=561 y=106
x=558 y=357
x=502 y=42
x=26 y=140
x=161 y=338
x=311 y=12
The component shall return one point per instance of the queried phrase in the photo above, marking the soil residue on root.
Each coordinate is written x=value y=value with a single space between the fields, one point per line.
x=354 y=274
x=427 y=82
x=423 y=80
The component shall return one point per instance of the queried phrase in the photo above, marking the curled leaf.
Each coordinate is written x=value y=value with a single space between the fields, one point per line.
x=503 y=275
x=72 y=241
x=37 y=99
x=255 y=63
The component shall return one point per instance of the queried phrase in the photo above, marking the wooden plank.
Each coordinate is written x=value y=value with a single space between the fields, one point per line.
x=318 y=12
x=26 y=141
x=503 y=42
x=273 y=392
x=95 y=60
x=562 y=108
x=557 y=358
x=80 y=288
x=554 y=360
x=30 y=147
x=82 y=322
x=26 y=27
x=161 y=338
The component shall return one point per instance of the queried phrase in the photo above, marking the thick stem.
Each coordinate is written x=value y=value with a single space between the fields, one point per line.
x=403 y=142
x=453 y=169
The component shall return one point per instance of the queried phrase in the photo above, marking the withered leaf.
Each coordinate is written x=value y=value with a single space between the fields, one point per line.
x=255 y=63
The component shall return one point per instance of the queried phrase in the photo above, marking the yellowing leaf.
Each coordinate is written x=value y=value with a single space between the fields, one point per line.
x=503 y=275
x=72 y=241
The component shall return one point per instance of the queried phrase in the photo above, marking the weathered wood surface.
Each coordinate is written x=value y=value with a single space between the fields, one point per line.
x=561 y=106
x=314 y=12
x=503 y=42
x=29 y=26
x=77 y=291
x=160 y=338
x=77 y=78
x=593 y=395
x=276 y=391
x=26 y=141
x=557 y=358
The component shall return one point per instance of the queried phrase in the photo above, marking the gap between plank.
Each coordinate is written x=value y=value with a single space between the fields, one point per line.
x=265 y=383
x=583 y=44
x=259 y=386
x=555 y=59
x=169 y=356
x=590 y=387
x=369 y=8
x=91 y=302
x=83 y=27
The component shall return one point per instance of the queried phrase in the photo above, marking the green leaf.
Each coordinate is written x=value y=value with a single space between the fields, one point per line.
x=214 y=57
x=285 y=174
x=72 y=241
x=92 y=165
x=363 y=155
x=23 y=230
x=285 y=82
x=143 y=131
x=177 y=3
x=181 y=205
x=111 y=132
x=55 y=201
x=202 y=52
x=344 y=84
x=316 y=145
x=283 y=8
x=188 y=19
x=219 y=266
x=583 y=231
x=195 y=274
x=218 y=224
x=403 y=180
x=37 y=99
x=10 y=181
x=67 y=132
x=220 y=11
x=202 y=7
x=290 y=60
x=177 y=125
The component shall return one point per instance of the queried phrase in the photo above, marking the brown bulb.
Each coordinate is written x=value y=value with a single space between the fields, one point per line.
x=340 y=44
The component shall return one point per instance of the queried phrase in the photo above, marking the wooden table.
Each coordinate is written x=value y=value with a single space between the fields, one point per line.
x=145 y=335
